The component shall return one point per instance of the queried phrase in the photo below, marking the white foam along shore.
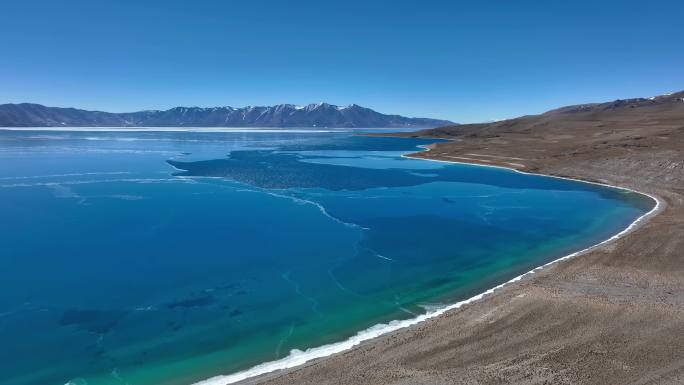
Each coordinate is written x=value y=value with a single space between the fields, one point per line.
x=298 y=357
x=169 y=129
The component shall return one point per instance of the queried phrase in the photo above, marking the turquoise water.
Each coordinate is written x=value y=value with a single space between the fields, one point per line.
x=169 y=257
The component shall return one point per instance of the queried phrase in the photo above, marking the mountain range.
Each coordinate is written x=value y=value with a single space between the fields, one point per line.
x=281 y=115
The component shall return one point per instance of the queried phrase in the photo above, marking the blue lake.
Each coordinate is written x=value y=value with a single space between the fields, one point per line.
x=169 y=257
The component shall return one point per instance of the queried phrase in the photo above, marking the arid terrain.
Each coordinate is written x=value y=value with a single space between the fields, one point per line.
x=614 y=315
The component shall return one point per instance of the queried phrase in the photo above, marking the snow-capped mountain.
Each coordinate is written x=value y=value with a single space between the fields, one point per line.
x=281 y=115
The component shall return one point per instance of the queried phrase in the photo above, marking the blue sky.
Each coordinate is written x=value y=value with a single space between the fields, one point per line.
x=460 y=60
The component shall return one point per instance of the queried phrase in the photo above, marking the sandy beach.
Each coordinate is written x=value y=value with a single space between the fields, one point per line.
x=613 y=315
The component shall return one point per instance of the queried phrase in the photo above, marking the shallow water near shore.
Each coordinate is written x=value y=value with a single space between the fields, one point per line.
x=158 y=257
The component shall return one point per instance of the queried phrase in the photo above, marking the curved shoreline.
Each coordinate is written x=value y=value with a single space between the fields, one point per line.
x=297 y=357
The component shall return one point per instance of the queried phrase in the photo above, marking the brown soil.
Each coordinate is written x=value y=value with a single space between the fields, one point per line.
x=614 y=315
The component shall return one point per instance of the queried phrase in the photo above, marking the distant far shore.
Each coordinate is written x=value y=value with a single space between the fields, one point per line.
x=281 y=115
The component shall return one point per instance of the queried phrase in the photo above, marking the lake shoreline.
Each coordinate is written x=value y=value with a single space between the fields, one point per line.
x=274 y=369
x=598 y=286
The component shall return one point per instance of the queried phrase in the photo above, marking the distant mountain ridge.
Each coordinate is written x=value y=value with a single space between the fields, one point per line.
x=591 y=118
x=281 y=115
x=621 y=104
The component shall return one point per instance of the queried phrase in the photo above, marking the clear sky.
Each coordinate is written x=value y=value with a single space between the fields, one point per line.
x=460 y=60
